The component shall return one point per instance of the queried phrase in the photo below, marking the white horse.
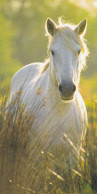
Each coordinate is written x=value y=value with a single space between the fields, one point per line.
x=50 y=90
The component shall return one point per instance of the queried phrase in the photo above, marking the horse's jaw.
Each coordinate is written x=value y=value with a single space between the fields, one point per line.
x=67 y=100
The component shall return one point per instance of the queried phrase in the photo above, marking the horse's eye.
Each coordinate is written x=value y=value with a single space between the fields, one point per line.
x=79 y=51
x=52 y=52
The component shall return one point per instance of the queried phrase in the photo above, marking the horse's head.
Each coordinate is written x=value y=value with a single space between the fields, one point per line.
x=67 y=55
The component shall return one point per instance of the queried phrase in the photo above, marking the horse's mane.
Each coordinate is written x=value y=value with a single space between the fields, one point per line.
x=46 y=65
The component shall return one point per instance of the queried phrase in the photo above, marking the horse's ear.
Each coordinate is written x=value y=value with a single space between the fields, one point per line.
x=81 y=27
x=50 y=27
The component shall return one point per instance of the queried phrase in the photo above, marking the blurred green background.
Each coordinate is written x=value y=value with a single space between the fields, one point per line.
x=23 y=41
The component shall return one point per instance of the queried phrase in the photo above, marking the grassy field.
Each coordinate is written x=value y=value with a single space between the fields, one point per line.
x=23 y=171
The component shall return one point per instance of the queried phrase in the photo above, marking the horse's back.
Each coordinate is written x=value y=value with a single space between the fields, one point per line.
x=24 y=76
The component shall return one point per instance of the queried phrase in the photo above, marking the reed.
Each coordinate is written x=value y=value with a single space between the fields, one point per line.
x=26 y=167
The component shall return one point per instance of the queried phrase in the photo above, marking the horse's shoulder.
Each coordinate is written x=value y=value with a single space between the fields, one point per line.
x=24 y=75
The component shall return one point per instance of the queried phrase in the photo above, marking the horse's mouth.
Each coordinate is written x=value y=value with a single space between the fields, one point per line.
x=68 y=99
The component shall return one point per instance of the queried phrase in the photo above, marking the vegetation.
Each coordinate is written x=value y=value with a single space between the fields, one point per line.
x=25 y=165
x=22 y=34
x=22 y=41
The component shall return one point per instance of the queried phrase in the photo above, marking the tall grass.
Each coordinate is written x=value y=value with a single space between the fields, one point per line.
x=26 y=167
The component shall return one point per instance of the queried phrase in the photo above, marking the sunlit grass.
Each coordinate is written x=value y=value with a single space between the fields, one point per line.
x=27 y=167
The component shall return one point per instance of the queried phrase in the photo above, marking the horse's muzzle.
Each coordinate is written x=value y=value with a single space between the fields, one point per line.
x=67 y=90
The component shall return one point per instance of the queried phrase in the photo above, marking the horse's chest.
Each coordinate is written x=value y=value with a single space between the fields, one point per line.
x=54 y=122
x=53 y=119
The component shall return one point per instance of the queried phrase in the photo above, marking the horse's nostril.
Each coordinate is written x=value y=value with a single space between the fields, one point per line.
x=60 y=88
x=74 y=88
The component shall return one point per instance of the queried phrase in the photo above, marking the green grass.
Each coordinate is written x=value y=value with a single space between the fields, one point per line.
x=6 y=73
x=88 y=88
